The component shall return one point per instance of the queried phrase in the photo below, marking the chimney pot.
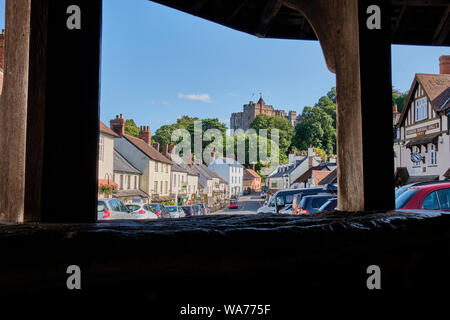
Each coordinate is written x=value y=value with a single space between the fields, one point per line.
x=118 y=125
x=145 y=134
x=444 y=64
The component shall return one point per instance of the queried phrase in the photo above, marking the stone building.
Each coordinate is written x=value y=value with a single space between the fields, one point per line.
x=243 y=120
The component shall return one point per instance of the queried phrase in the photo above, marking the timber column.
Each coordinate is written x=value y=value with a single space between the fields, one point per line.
x=63 y=109
x=13 y=111
x=355 y=39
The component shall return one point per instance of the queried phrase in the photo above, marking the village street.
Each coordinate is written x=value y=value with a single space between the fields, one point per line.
x=246 y=205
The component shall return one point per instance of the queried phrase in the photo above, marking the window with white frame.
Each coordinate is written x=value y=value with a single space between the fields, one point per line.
x=417 y=150
x=421 y=109
x=101 y=152
x=432 y=155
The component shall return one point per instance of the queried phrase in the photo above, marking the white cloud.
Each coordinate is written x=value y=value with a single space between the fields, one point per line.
x=204 y=97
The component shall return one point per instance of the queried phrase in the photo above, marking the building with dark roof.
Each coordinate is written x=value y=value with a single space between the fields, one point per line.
x=127 y=177
x=156 y=168
x=423 y=144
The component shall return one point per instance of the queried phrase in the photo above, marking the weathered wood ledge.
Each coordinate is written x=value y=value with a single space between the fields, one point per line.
x=264 y=252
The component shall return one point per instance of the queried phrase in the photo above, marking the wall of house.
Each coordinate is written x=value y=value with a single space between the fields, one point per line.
x=126 y=181
x=178 y=179
x=105 y=163
x=192 y=184
x=137 y=159
x=161 y=174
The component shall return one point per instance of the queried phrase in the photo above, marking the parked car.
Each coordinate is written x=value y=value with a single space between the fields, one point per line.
x=204 y=209
x=141 y=211
x=175 y=211
x=197 y=210
x=159 y=210
x=188 y=211
x=286 y=210
x=233 y=204
x=108 y=209
x=330 y=205
x=434 y=196
x=311 y=204
x=282 y=198
x=247 y=191
x=400 y=190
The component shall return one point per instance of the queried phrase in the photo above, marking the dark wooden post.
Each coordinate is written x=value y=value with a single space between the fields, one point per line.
x=356 y=46
x=13 y=111
x=376 y=103
x=63 y=111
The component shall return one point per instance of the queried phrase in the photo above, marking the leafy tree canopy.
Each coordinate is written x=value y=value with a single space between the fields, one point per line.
x=131 y=128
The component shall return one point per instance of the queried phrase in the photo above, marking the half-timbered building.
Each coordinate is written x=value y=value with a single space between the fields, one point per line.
x=423 y=127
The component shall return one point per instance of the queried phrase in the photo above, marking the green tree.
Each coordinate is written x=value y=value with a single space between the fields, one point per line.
x=398 y=98
x=316 y=129
x=286 y=131
x=131 y=128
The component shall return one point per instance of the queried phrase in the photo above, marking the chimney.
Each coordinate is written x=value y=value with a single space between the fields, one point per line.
x=118 y=125
x=2 y=49
x=311 y=155
x=156 y=146
x=145 y=134
x=444 y=64
x=165 y=150
x=395 y=108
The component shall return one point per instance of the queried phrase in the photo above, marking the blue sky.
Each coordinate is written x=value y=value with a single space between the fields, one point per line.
x=159 y=64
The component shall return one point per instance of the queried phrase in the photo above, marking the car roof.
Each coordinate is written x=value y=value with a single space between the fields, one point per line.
x=431 y=186
x=320 y=196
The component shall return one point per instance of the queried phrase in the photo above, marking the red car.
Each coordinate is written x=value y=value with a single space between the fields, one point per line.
x=428 y=197
x=233 y=204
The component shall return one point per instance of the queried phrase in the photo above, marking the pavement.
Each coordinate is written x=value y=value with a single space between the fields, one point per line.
x=246 y=205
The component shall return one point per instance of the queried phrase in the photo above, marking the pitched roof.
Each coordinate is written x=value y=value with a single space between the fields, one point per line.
x=104 y=129
x=308 y=173
x=436 y=88
x=228 y=161
x=331 y=178
x=289 y=168
x=120 y=164
x=250 y=174
x=319 y=175
x=148 y=150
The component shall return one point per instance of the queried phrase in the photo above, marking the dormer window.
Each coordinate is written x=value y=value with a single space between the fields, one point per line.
x=421 y=109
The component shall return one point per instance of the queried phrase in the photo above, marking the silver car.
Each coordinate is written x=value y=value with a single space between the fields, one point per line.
x=175 y=211
x=109 y=209
x=141 y=211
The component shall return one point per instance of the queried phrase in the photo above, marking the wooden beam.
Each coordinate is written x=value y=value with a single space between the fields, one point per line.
x=421 y=3
x=442 y=29
x=196 y=7
x=397 y=24
x=236 y=10
x=269 y=12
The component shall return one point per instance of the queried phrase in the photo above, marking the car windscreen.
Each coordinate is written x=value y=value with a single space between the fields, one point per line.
x=404 y=198
x=101 y=206
x=152 y=207
x=399 y=191
x=317 y=202
x=186 y=209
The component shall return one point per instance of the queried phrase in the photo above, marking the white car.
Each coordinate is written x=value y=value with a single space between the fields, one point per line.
x=141 y=211
x=175 y=211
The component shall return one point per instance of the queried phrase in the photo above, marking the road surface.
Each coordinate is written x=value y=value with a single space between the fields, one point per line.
x=246 y=205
